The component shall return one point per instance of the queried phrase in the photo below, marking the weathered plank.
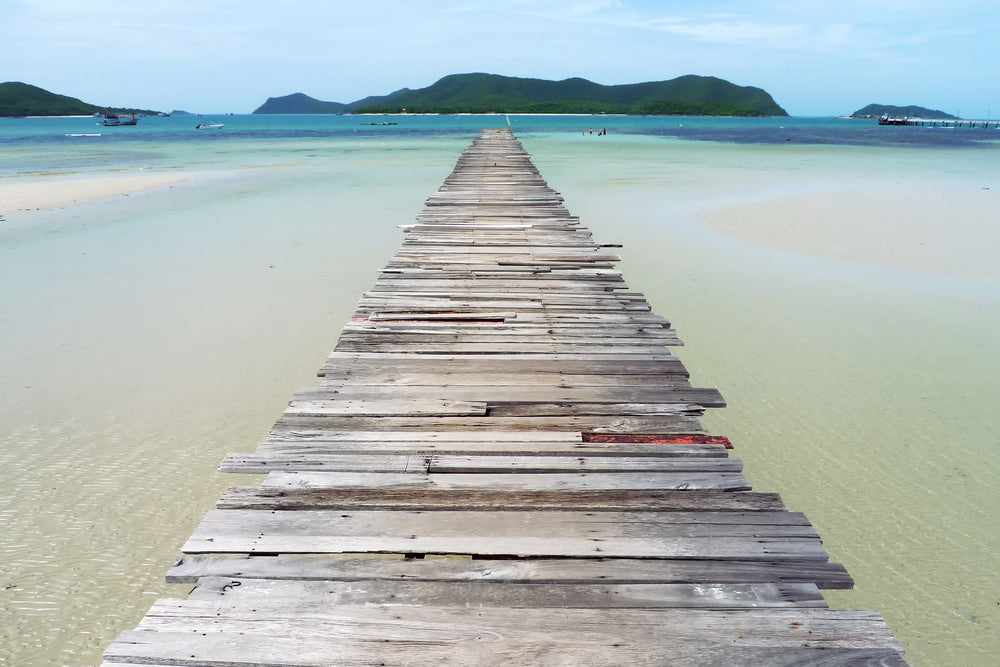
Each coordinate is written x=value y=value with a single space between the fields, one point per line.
x=426 y=499
x=554 y=571
x=424 y=407
x=473 y=463
x=211 y=632
x=310 y=446
x=476 y=594
x=501 y=348
x=684 y=421
x=697 y=535
x=564 y=392
x=336 y=377
x=332 y=435
x=592 y=481
x=468 y=364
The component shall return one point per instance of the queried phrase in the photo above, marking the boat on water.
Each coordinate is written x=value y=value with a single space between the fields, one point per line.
x=209 y=126
x=115 y=119
x=886 y=119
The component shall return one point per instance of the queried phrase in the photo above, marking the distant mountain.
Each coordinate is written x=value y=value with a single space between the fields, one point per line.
x=374 y=100
x=22 y=99
x=485 y=93
x=298 y=103
x=877 y=110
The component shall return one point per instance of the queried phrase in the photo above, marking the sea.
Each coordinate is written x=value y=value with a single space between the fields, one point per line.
x=146 y=336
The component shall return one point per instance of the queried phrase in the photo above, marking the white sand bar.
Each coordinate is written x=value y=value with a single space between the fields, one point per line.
x=20 y=195
x=948 y=230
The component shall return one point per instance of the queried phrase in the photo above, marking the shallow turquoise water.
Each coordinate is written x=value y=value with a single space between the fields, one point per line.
x=144 y=338
x=863 y=394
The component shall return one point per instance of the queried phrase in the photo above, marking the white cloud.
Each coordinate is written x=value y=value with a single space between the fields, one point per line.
x=228 y=49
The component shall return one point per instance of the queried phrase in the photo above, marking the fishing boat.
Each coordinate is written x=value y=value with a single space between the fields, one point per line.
x=114 y=120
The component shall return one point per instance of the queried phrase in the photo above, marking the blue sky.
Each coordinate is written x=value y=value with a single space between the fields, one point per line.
x=220 y=56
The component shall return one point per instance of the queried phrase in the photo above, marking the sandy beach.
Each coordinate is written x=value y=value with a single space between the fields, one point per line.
x=29 y=194
x=945 y=229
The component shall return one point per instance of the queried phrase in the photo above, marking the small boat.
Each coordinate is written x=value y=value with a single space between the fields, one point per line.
x=209 y=126
x=886 y=119
x=114 y=120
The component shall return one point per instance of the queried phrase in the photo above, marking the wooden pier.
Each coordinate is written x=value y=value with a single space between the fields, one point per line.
x=940 y=122
x=503 y=465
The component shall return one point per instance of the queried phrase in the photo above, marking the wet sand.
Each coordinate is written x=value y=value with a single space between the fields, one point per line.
x=945 y=229
x=25 y=195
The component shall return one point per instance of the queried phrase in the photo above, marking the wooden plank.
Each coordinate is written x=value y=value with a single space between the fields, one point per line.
x=508 y=347
x=214 y=632
x=499 y=409
x=361 y=377
x=511 y=327
x=491 y=331
x=329 y=435
x=582 y=363
x=495 y=272
x=416 y=282
x=470 y=294
x=484 y=315
x=603 y=302
x=478 y=463
x=586 y=570
x=685 y=421
x=368 y=337
x=566 y=365
x=493 y=394
x=427 y=407
x=428 y=499
x=477 y=594
x=688 y=481
x=502 y=448
x=228 y=648
x=696 y=535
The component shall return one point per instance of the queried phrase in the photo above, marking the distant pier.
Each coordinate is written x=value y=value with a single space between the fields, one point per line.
x=939 y=122
x=502 y=465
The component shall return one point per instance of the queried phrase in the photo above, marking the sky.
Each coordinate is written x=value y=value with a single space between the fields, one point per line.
x=816 y=58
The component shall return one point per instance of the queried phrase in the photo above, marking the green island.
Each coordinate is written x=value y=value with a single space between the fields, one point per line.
x=22 y=99
x=689 y=95
x=911 y=111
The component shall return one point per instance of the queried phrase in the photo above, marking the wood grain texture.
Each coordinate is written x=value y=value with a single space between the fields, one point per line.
x=424 y=498
x=552 y=570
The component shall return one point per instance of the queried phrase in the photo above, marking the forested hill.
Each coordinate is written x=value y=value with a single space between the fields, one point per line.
x=485 y=93
x=876 y=110
x=22 y=99
x=686 y=95
x=298 y=103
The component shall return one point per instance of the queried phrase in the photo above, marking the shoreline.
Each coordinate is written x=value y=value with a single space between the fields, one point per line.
x=27 y=195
